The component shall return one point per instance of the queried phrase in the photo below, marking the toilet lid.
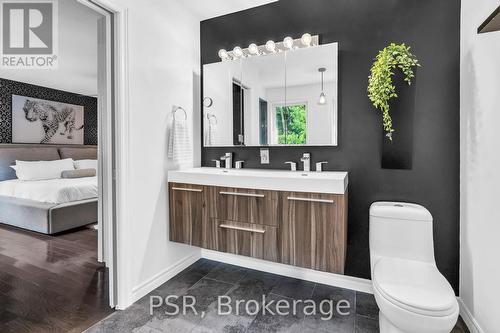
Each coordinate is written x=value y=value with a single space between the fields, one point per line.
x=414 y=285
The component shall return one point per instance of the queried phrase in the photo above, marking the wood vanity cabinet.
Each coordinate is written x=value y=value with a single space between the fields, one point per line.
x=314 y=230
x=189 y=221
x=302 y=229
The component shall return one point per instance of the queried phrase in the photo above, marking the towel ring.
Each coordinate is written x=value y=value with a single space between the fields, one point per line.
x=177 y=108
x=212 y=116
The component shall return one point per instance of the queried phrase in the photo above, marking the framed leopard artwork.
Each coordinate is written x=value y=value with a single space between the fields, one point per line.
x=41 y=121
x=35 y=114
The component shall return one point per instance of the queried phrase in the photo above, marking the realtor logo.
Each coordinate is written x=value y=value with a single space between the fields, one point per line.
x=29 y=34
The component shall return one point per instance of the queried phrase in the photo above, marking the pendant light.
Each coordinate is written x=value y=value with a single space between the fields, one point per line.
x=322 y=96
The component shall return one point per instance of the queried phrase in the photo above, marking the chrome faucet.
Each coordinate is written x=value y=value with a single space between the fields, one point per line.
x=319 y=166
x=306 y=160
x=293 y=165
x=228 y=160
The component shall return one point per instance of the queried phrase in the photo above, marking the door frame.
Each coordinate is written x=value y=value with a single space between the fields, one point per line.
x=115 y=135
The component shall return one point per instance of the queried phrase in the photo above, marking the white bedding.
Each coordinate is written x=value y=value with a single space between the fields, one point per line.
x=51 y=190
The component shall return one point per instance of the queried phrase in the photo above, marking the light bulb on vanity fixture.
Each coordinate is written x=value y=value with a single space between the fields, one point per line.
x=271 y=46
x=238 y=52
x=322 y=96
x=223 y=54
x=288 y=42
x=253 y=49
x=306 y=39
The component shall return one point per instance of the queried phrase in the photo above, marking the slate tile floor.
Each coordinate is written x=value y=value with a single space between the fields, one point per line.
x=206 y=280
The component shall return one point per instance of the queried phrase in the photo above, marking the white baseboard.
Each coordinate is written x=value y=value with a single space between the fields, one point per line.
x=157 y=280
x=336 y=280
x=468 y=318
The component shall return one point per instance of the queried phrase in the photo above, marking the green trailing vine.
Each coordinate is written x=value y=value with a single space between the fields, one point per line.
x=380 y=85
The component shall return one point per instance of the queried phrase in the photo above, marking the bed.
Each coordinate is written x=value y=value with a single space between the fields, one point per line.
x=48 y=206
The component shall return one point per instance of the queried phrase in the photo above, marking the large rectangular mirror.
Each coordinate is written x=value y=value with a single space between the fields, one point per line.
x=285 y=98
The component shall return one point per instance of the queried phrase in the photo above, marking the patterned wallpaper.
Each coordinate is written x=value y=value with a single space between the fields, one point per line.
x=8 y=88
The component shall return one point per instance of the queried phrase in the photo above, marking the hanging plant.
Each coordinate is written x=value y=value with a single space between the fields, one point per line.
x=380 y=85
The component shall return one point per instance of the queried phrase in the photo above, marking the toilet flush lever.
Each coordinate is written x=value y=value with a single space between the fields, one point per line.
x=319 y=166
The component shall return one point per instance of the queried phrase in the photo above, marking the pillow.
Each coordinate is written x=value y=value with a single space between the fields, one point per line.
x=79 y=173
x=85 y=164
x=40 y=170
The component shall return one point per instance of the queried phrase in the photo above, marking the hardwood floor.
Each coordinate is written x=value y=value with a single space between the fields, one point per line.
x=51 y=283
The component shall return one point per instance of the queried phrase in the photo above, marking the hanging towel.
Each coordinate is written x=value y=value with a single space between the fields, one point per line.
x=212 y=130
x=179 y=143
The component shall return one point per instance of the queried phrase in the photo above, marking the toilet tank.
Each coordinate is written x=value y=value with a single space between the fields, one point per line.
x=401 y=230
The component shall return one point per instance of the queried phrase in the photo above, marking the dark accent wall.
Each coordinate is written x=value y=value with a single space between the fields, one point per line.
x=362 y=28
x=9 y=88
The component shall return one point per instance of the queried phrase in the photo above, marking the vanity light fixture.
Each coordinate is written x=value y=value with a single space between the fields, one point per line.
x=271 y=47
x=322 y=96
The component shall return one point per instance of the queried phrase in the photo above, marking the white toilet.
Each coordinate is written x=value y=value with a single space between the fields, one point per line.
x=411 y=293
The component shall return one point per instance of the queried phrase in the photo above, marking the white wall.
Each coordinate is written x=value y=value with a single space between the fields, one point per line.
x=480 y=166
x=77 y=70
x=163 y=44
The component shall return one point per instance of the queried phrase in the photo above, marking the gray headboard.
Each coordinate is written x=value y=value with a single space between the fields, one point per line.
x=10 y=153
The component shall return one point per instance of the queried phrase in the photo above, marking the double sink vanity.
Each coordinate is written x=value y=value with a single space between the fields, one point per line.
x=285 y=98
x=291 y=217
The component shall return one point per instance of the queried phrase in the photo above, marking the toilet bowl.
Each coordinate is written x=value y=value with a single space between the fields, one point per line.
x=411 y=293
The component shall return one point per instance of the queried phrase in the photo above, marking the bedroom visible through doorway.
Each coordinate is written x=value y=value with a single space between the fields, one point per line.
x=56 y=183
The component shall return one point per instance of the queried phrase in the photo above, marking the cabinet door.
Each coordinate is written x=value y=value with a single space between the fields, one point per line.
x=314 y=231
x=251 y=240
x=244 y=205
x=188 y=215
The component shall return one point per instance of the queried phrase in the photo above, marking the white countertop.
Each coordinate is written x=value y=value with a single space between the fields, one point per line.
x=332 y=182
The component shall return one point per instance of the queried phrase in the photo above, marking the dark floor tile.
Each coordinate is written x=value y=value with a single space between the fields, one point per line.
x=180 y=283
x=279 y=316
x=227 y=273
x=366 y=305
x=125 y=321
x=205 y=292
x=327 y=318
x=460 y=327
x=322 y=292
x=366 y=325
x=253 y=286
x=293 y=288
x=228 y=323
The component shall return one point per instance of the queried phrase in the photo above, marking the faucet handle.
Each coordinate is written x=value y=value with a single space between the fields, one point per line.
x=217 y=163
x=238 y=164
x=293 y=165
x=319 y=166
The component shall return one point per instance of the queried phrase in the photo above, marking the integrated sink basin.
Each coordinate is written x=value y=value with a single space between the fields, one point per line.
x=332 y=182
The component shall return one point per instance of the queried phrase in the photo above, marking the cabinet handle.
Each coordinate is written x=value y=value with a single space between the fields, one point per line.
x=226 y=226
x=187 y=189
x=311 y=200
x=243 y=194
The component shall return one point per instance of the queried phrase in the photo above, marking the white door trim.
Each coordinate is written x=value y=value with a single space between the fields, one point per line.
x=118 y=258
